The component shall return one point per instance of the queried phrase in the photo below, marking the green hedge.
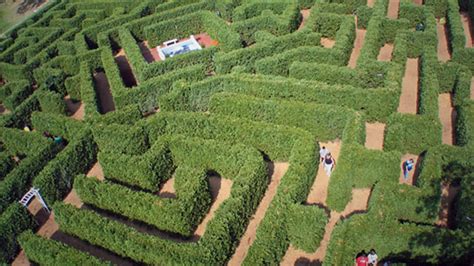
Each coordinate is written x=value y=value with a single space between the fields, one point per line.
x=57 y=125
x=121 y=138
x=13 y=221
x=50 y=252
x=6 y=164
x=134 y=55
x=305 y=226
x=51 y=102
x=19 y=91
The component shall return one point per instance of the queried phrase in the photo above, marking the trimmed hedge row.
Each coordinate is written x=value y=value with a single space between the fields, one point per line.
x=306 y=226
x=14 y=93
x=121 y=138
x=6 y=164
x=13 y=221
x=57 y=125
x=50 y=252
x=134 y=55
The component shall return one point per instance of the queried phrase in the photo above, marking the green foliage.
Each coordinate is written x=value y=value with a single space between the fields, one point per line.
x=6 y=165
x=13 y=222
x=51 y=102
x=306 y=226
x=17 y=92
x=51 y=252
x=121 y=138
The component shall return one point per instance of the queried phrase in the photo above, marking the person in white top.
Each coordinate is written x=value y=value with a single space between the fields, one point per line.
x=329 y=163
x=372 y=257
x=322 y=153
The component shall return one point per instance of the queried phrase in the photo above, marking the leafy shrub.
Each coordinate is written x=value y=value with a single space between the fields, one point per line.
x=305 y=226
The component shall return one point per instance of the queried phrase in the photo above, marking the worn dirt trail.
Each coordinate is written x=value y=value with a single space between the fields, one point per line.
x=448 y=194
x=472 y=88
x=96 y=171
x=412 y=175
x=75 y=109
x=409 y=97
x=358 y=203
x=318 y=196
x=374 y=135
x=150 y=54
x=468 y=29
x=305 y=13
x=418 y=2
x=385 y=53
x=358 y=43
x=220 y=191
x=277 y=171
x=447 y=116
x=167 y=190
x=370 y=3
x=393 y=6
x=126 y=71
x=319 y=190
x=443 y=47
x=104 y=94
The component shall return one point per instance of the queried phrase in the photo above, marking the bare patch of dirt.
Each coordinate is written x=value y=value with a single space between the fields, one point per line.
x=126 y=72
x=3 y=110
x=327 y=43
x=75 y=109
x=21 y=260
x=205 y=40
x=104 y=94
x=443 y=47
x=385 y=53
x=472 y=88
x=418 y=2
x=374 y=135
x=96 y=171
x=448 y=194
x=150 y=54
x=393 y=6
x=358 y=43
x=370 y=3
x=358 y=203
x=413 y=174
x=447 y=115
x=167 y=190
x=468 y=29
x=278 y=171
x=305 y=14
x=73 y=199
x=319 y=190
x=220 y=191
x=409 y=97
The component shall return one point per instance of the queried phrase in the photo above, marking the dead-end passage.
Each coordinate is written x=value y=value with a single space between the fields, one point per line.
x=150 y=54
x=409 y=97
x=413 y=173
x=385 y=53
x=358 y=43
x=277 y=171
x=75 y=108
x=104 y=95
x=305 y=14
x=327 y=43
x=370 y=3
x=393 y=6
x=443 y=46
x=468 y=29
x=447 y=116
x=448 y=194
x=374 y=135
x=126 y=71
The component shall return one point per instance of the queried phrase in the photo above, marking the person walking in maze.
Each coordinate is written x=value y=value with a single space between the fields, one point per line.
x=372 y=257
x=361 y=259
x=407 y=167
x=322 y=153
x=329 y=163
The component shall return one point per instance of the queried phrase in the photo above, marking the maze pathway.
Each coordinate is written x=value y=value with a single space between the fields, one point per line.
x=358 y=43
x=76 y=109
x=409 y=97
x=447 y=116
x=278 y=171
x=472 y=88
x=385 y=53
x=103 y=93
x=126 y=71
x=468 y=29
x=374 y=135
x=305 y=13
x=448 y=194
x=413 y=174
x=393 y=7
x=149 y=53
x=443 y=48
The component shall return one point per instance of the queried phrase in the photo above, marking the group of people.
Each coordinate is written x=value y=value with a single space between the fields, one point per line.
x=56 y=139
x=327 y=160
x=364 y=259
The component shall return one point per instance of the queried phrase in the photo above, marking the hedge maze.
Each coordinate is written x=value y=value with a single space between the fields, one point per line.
x=212 y=157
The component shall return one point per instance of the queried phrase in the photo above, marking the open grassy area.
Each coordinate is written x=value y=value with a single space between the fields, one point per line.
x=9 y=15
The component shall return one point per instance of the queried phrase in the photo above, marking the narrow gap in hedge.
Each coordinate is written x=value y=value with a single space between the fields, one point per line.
x=393 y=6
x=385 y=53
x=126 y=72
x=358 y=43
x=447 y=116
x=408 y=103
x=104 y=95
x=468 y=29
x=443 y=45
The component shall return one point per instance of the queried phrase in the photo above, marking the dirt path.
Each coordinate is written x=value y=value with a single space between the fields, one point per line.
x=374 y=135
x=104 y=94
x=278 y=171
x=443 y=47
x=75 y=109
x=327 y=43
x=220 y=191
x=468 y=29
x=305 y=13
x=472 y=88
x=358 y=203
x=448 y=193
x=393 y=6
x=167 y=190
x=418 y=2
x=150 y=54
x=96 y=171
x=358 y=43
x=205 y=40
x=413 y=174
x=319 y=190
x=385 y=53
x=447 y=116
x=126 y=72
x=370 y=3
x=409 y=97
